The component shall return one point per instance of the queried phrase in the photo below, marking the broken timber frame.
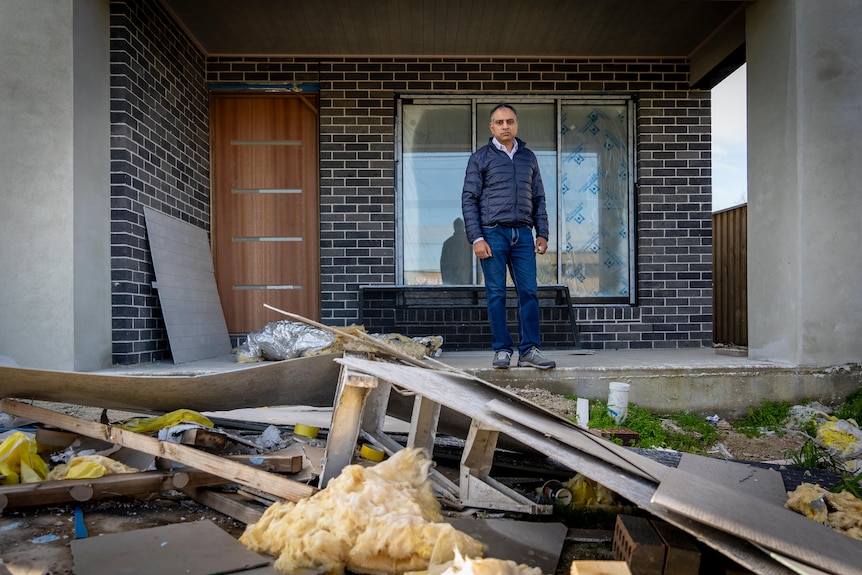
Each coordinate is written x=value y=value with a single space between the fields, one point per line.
x=627 y=473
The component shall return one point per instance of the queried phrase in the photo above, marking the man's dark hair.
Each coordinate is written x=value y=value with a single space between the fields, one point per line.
x=504 y=105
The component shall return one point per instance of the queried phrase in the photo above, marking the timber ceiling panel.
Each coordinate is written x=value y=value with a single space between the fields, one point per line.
x=542 y=28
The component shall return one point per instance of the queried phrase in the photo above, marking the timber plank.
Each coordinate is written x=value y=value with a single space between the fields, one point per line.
x=226 y=503
x=70 y=490
x=232 y=470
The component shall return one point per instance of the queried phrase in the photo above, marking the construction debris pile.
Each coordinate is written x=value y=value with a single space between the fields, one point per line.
x=369 y=496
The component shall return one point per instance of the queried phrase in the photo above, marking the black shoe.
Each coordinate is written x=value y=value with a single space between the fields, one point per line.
x=534 y=358
x=502 y=359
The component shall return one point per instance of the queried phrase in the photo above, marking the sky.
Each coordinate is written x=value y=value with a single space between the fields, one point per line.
x=729 y=170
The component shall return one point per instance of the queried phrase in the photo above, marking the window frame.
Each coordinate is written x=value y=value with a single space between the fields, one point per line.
x=558 y=102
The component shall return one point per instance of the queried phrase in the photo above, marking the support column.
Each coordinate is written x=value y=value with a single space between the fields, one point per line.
x=804 y=174
x=55 y=308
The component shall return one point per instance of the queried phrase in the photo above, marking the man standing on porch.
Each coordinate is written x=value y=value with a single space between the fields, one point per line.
x=502 y=201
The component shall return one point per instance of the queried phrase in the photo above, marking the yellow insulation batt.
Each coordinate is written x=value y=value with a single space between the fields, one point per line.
x=841 y=511
x=380 y=519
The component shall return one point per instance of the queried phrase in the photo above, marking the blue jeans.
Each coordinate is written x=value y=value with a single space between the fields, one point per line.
x=512 y=249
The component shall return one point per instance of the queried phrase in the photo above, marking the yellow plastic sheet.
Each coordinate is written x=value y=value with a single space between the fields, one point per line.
x=153 y=424
x=88 y=467
x=19 y=462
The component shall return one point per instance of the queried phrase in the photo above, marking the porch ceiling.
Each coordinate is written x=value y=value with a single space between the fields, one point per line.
x=500 y=28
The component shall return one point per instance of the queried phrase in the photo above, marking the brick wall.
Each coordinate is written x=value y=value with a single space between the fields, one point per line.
x=357 y=153
x=159 y=158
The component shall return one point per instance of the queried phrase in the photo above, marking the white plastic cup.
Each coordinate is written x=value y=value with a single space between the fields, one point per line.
x=618 y=401
x=582 y=415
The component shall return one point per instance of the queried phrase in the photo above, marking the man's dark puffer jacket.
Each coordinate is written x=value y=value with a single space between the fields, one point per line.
x=498 y=190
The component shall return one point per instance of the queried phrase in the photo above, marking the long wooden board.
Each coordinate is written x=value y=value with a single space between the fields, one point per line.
x=301 y=381
x=234 y=471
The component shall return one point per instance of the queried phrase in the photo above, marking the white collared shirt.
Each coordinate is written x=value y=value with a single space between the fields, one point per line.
x=502 y=148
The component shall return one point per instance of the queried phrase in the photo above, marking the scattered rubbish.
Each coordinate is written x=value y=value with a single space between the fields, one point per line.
x=370 y=453
x=306 y=430
x=45 y=539
x=154 y=424
x=586 y=493
x=287 y=339
x=80 y=526
x=618 y=401
x=713 y=419
x=88 y=467
x=19 y=460
x=554 y=492
x=842 y=437
x=283 y=339
x=271 y=437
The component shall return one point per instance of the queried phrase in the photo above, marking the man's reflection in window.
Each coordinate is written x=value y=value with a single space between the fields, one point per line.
x=456 y=259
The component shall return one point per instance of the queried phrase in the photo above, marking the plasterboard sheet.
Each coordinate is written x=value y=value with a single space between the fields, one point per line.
x=195 y=548
x=764 y=524
x=765 y=484
x=185 y=282
x=524 y=542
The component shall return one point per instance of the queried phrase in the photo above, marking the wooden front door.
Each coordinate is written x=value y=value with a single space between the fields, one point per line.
x=265 y=224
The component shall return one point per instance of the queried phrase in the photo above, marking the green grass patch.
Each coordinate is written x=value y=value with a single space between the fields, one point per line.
x=688 y=432
x=768 y=416
x=851 y=408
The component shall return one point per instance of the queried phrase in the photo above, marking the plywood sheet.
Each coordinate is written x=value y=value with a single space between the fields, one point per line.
x=305 y=380
x=197 y=548
x=185 y=281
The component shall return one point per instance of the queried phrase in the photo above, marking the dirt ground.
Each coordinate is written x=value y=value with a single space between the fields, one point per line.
x=36 y=541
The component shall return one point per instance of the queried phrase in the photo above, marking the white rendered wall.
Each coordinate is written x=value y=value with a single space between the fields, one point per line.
x=54 y=156
x=804 y=181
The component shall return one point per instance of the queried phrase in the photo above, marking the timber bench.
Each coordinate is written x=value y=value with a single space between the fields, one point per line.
x=459 y=314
